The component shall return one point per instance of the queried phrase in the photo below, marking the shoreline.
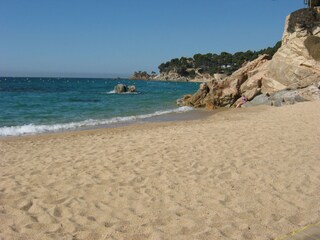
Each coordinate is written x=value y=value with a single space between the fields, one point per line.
x=249 y=173
x=194 y=114
x=73 y=103
x=157 y=122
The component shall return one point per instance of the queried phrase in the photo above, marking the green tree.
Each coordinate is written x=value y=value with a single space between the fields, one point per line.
x=214 y=63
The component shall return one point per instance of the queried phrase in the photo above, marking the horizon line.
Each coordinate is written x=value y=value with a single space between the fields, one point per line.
x=63 y=75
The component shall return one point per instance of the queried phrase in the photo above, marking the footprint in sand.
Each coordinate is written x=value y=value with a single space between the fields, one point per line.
x=26 y=205
x=57 y=212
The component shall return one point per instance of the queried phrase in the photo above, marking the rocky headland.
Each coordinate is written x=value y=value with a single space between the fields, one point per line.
x=142 y=75
x=171 y=76
x=292 y=75
x=203 y=67
x=197 y=77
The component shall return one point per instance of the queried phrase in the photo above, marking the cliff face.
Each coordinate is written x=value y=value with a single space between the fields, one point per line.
x=295 y=65
x=171 y=76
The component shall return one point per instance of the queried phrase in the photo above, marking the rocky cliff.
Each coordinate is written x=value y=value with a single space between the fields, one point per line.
x=297 y=62
x=174 y=76
x=293 y=70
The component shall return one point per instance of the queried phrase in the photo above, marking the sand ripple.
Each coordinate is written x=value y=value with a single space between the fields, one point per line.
x=244 y=174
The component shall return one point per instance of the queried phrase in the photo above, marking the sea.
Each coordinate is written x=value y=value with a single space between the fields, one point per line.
x=40 y=105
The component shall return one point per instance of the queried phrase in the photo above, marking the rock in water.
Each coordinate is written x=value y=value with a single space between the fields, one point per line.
x=120 y=88
x=131 y=88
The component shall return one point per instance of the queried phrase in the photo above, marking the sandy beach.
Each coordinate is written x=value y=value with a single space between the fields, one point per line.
x=250 y=173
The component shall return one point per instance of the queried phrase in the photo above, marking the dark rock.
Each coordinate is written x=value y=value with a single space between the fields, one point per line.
x=286 y=97
x=259 y=100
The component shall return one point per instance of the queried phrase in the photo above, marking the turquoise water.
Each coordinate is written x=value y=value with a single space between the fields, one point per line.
x=37 y=105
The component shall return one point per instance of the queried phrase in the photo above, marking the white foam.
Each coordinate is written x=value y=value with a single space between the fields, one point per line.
x=111 y=92
x=34 y=129
x=114 y=92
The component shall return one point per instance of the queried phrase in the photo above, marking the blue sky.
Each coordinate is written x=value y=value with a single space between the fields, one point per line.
x=116 y=37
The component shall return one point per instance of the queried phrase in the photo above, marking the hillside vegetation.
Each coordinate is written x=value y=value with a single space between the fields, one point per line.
x=212 y=63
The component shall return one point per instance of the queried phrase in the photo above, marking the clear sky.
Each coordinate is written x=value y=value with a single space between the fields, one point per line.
x=116 y=37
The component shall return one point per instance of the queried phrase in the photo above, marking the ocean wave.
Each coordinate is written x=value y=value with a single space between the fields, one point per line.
x=114 y=92
x=84 y=100
x=30 y=129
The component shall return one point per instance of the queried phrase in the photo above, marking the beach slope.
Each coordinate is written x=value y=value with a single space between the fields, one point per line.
x=239 y=174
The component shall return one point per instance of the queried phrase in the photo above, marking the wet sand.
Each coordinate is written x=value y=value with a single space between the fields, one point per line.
x=239 y=174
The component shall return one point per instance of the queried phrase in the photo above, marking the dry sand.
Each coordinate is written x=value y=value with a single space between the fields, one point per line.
x=241 y=174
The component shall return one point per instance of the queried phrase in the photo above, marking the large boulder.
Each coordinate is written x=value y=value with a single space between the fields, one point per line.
x=297 y=63
x=310 y=93
x=120 y=88
x=131 y=88
x=197 y=99
x=287 y=97
x=225 y=93
x=262 y=99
